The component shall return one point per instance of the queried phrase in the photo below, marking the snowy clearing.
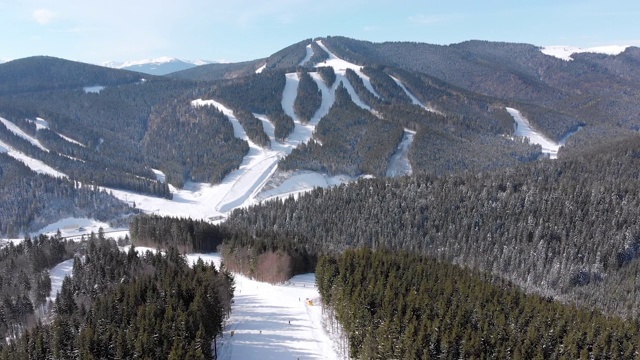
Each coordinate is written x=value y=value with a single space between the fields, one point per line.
x=71 y=227
x=261 y=68
x=523 y=128
x=308 y=55
x=57 y=274
x=93 y=89
x=565 y=52
x=399 y=163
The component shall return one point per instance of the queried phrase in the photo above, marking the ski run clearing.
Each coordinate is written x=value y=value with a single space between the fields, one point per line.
x=255 y=180
x=524 y=129
x=267 y=321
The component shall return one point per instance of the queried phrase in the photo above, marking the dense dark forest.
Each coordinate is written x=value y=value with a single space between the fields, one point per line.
x=186 y=235
x=562 y=228
x=121 y=305
x=308 y=98
x=404 y=306
x=30 y=201
x=25 y=283
x=208 y=150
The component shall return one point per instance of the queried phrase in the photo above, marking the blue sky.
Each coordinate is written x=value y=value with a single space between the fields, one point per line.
x=238 y=30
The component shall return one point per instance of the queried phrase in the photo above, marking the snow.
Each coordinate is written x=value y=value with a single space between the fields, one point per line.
x=18 y=132
x=399 y=163
x=156 y=61
x=273 y=321
x=34 y=164
x=73 y=227
x=523 y=128
x=160 y=176
x=339 y=67
x=71 y=140
x=308 y=56
x=57 y=274
x=565 y=52
x=261 y=68
x=40 y=123
x=300 y=182
x=93 y=89
x=44 y=124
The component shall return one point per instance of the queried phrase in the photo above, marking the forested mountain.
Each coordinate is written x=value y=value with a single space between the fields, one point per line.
x=46 y=73
x=111 y=128
x=562 y=228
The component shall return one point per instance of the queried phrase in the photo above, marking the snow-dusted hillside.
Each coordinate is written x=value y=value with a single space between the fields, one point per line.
x=159 y=66
x=257 y=178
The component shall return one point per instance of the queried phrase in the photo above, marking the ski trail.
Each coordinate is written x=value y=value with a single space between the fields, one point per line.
x=399 y=163
x=523 y=128
x=254 y=170
x=33 y=164
x=308 y=56
x=18 y=132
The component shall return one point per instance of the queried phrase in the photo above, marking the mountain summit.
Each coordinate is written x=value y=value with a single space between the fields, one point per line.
x=159 y=66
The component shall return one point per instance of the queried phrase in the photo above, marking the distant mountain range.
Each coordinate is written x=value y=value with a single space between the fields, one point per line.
x=159 y=66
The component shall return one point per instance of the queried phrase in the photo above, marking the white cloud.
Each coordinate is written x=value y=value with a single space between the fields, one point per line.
x=43 y=16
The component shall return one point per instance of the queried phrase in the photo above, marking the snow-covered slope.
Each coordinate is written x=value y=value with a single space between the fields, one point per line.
x=159 y=66
x=273 y=321
x=399 y=163
x=565 y=52
x=523 y=128
x=34 y=164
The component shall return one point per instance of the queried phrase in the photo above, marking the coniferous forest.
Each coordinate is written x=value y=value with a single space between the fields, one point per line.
x=125 y=305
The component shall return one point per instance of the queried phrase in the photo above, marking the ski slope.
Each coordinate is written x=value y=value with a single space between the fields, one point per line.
x=273 y=321
x=33 y=164
x=399 y=164
x=523 y=128
x=57 y=275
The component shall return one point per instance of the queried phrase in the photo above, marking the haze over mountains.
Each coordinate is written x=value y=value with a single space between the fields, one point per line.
x=159 y=66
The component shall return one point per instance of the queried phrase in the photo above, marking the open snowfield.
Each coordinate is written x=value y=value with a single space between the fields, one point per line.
x=565 y=52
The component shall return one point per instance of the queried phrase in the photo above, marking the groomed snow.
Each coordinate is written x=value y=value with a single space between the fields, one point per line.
x=524 y=129
x=273 y=321
x=18 y=132
x=565 y=52
x=339 y=67
x=308 y=55
x=57 y=274
x=34 y=164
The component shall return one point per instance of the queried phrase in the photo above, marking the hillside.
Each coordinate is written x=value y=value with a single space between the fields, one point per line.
x=319 y=112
